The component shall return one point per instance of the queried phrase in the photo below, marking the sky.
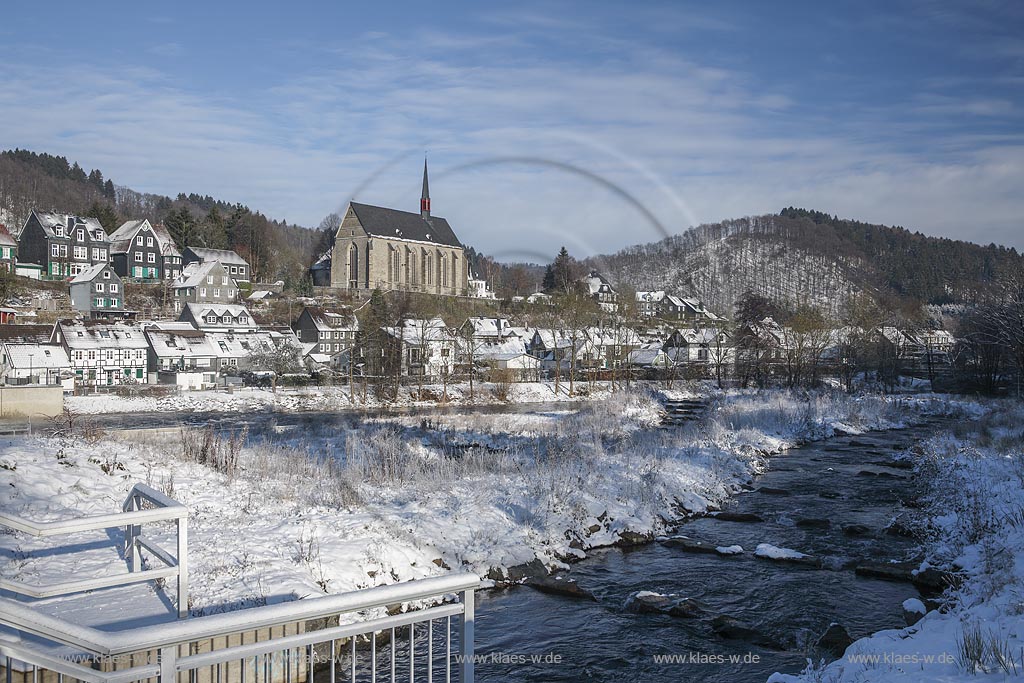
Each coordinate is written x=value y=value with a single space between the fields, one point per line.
x=591 y=125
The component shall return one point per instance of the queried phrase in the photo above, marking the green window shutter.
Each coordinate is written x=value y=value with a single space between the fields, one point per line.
x=138 y=373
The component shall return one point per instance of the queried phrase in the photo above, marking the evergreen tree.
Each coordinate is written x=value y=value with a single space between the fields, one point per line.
x=105 y=214
x=548 y=284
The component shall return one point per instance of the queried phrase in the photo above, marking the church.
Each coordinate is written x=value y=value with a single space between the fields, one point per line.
x=388 y=249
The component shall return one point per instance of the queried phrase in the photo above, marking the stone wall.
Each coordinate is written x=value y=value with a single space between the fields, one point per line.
x=31 y=401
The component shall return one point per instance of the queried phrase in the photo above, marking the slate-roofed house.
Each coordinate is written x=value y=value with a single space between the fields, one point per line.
x=143 y=251
x=208 y=282
x=8 y=250
x=218 y=317
x=104 y=353
x=64 y=245
x=331 y=331
x=187 y=358
x=660 y=304
x=238 y=268
x=379 y=248
x=27 y=356
x=98 y=292
x=601 y=291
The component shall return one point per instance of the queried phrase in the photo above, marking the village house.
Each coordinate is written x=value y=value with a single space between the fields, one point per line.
x=145 y=252
x=330 y=331
x=98 y=292
x=426 y=347
x=388 y=249
x=8 y=250
x=183 y=357
x=238 y=268
x=104 y=353
x=63 y=245
x=27 y=356
x=204 y=283
x=666 y=306
x=607 y=348
x=601 y=291
x=699 y=345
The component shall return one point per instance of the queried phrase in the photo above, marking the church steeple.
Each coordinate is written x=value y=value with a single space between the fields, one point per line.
x=425 y=197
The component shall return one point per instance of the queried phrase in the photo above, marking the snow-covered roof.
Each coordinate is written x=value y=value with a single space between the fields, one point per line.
x=651 y=297
x=95 y=334
x=91 y=273
x=328 y=320
x=623 y=336
x=493 y=328
x=420 y=331
x=194 y=275
x=646 y=357
x=260 y=295
x=6 y=239
x=694 y=336
x=121 y=239
x=25 y=334
x=222 y=255
x=180 y=343
x=201 y=311
x=239 y=344
x=49 y=220
x=597 y=283
x=41 y=356
x=549 y=339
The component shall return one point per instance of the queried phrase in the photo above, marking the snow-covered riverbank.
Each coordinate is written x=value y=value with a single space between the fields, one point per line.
x=973 y=526
x=343 y=508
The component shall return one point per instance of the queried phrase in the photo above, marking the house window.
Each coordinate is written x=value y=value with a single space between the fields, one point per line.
x=149 y=241
x=106 y=274
x=244 y=319
x=234 y=270
x=202 y=291
x=138 y=240
x=81 y=253
x=138 y=256
x=224 y=280
x=64 y=250
x=209 y=279
x=103 y=255
x=211 y=319
x=216 y=292
x=151 y=257
x=114 y=303
x=98 y=302
x=81 y=235
x=99 y=286
x=113 y=288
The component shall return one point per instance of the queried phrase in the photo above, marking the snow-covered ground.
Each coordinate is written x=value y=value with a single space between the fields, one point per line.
x=975 y=527
x=338 y=397
x=339 y=508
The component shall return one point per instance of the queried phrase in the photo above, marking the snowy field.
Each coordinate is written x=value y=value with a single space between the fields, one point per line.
x=974 y=526
x=338 y=397
x=334 y=509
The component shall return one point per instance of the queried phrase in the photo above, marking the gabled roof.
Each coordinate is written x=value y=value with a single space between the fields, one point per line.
x=179 y=343
x=327 y=320
x=222 y=255
x=404 y=225
x=491 y=328
x=38 y=356
x=413 y=331
x=121 y=239
x=200 y=311
x=25 y=334
x=92 y=334
x=91 y=273
x=6 y=239
x=50 y=220
x=194 y=274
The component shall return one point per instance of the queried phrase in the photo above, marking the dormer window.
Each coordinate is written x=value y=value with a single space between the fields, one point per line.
x=81 y=235
x=104 y=334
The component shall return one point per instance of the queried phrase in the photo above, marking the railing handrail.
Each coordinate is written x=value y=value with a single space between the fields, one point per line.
x=25 y=618
x=91 y=522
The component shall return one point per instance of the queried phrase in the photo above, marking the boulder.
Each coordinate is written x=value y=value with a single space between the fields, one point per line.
x=732 y=628
x=913 y=611
x=647 y=602
x=556 y=585
x=899 y=528
x=854 y=530
x=629 y=538
x=737 y=517
x=689 y=545
x=834 y=640
x=528 y=570
x=891 y=571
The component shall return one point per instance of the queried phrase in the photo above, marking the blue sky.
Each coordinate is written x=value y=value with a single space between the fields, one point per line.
x=594 y=125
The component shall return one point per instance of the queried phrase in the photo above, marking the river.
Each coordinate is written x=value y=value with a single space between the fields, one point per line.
x=603 y=641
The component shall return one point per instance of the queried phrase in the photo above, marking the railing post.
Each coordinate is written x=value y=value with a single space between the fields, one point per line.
x=169 y=664
x=466 y=664
x=183 y=566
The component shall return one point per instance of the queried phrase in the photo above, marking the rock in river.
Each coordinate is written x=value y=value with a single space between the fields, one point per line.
x=649 y=602
x=556 y=585
x=737 y=517
x=732 y=628
x=834 y=640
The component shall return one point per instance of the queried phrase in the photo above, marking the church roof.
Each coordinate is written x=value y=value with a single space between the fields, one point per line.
x=404 y=225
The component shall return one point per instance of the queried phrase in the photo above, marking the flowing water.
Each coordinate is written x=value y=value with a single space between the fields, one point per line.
x=791 y=604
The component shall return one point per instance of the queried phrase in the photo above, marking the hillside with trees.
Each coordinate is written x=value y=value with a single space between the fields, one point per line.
x=808 y=258
x=275 y=249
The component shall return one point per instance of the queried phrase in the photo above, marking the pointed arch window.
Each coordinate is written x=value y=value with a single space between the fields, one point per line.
x=353 y=267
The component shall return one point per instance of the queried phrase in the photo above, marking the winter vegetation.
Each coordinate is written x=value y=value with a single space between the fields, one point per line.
x=973 y=528
x=278 y=514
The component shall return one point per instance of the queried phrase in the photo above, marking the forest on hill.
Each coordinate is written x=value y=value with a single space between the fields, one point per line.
x=275 y=249
x=804 y=257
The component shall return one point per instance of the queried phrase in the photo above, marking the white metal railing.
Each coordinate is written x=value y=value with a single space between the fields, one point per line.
x=419 y=642
x=132 y=518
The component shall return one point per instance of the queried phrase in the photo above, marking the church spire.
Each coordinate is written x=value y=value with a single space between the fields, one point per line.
x=425 y=197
